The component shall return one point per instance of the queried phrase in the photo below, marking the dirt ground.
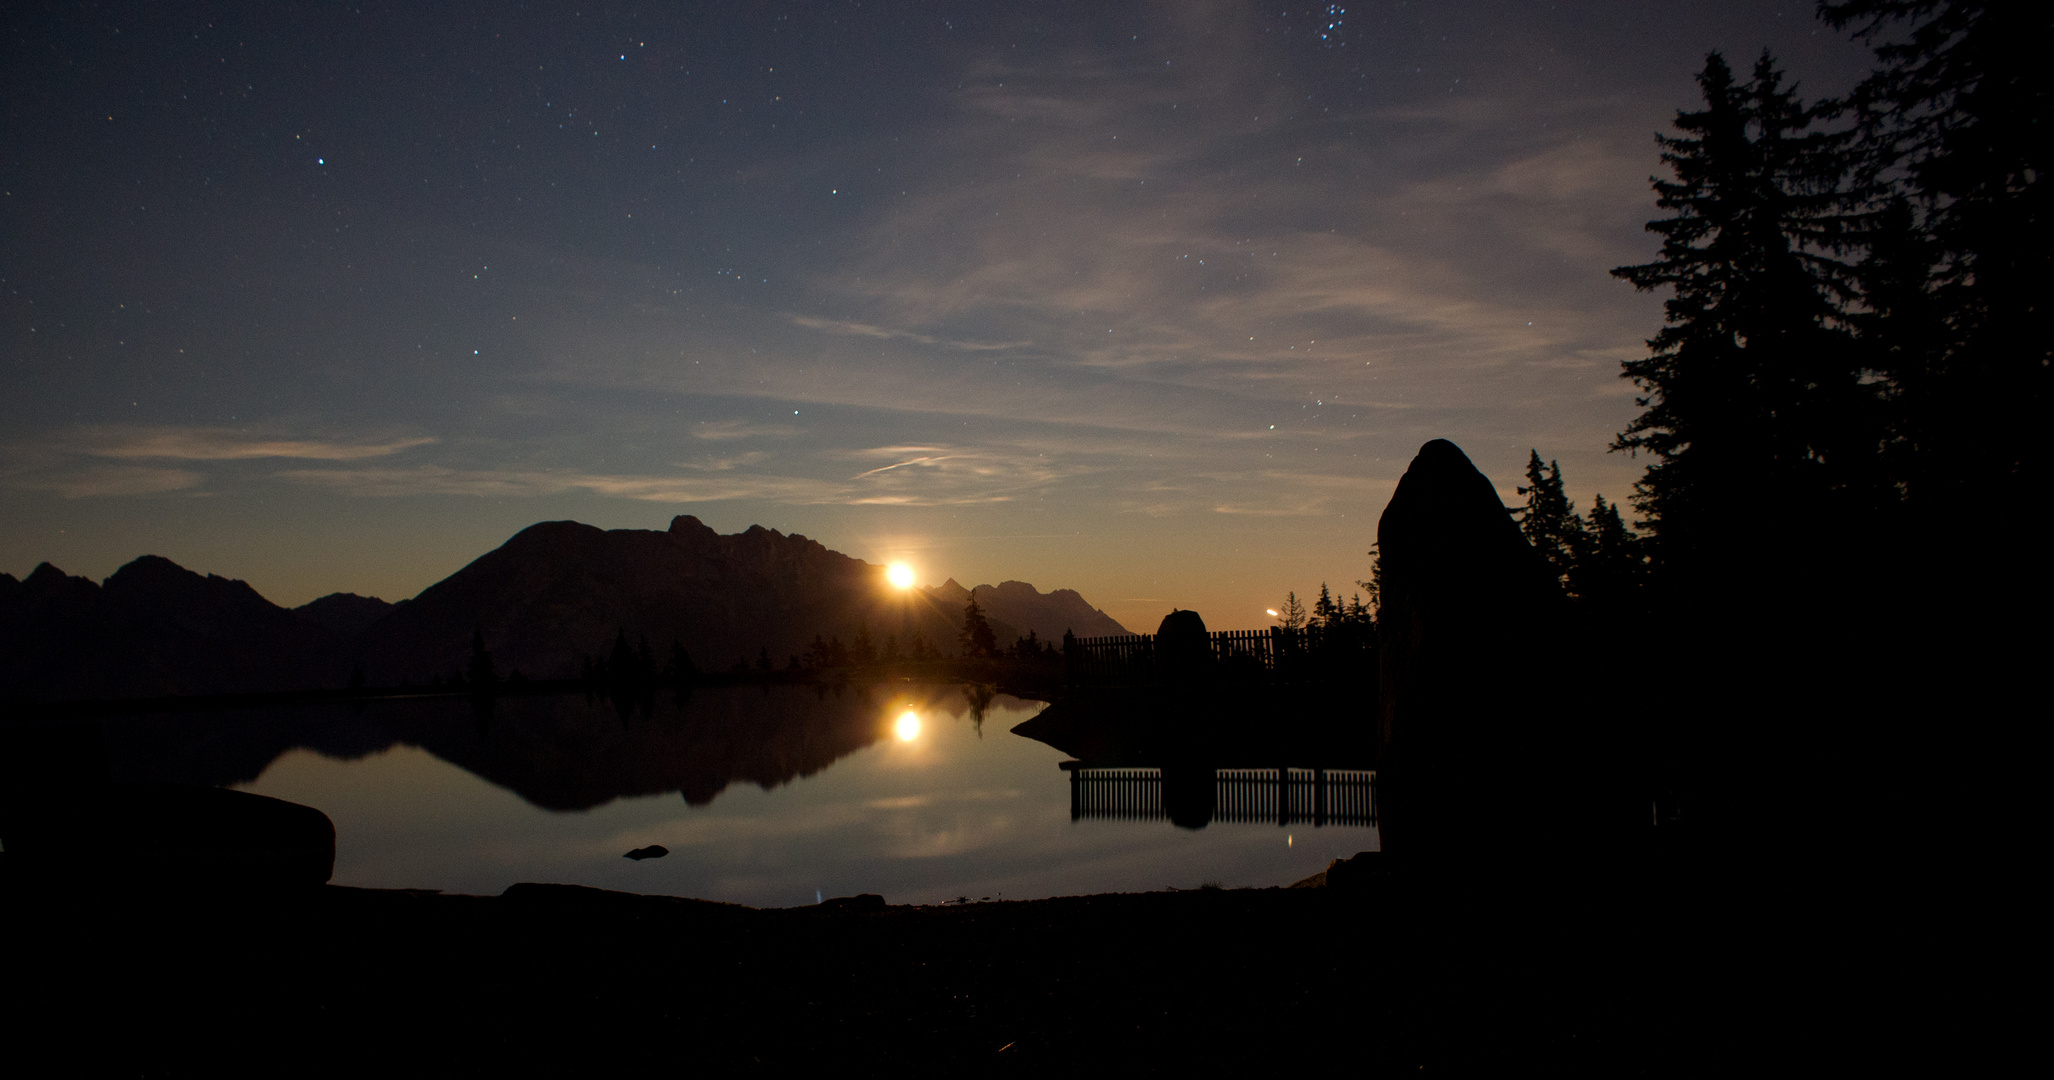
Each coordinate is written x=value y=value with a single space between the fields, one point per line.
x=1481 y=980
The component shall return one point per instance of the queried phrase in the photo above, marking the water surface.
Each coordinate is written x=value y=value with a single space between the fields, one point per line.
x=768 y=796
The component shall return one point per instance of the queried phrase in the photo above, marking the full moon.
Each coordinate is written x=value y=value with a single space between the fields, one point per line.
x=900 y=575
x=908 y=726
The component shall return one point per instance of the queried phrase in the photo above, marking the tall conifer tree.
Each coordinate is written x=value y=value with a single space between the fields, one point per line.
x=1958 y=119
x=1549 y=521
x=1755 y=402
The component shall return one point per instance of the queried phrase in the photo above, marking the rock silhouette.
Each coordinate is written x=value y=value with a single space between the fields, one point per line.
x=66 y=818
x=1477 y=763
x=1183 y=652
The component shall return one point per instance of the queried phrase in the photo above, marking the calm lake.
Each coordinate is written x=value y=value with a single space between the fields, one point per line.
x=767 y=796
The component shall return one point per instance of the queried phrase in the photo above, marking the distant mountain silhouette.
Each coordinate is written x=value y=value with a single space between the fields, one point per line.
x=155 y=628
x=559 y=590
x=552 y=595
x=345 y=612
x=1020 y=605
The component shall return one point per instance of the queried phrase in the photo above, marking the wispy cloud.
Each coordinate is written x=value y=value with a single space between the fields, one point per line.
x=856 y=329
x=933 y=476
x=101 y=481
x=511 y=483
x=1164 y=230
x=229 y=444
x=900 y=465
x=728 y=463
x=725 y=430
x=75 y=466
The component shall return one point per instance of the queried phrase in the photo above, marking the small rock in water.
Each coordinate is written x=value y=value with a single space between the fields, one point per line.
x=653 y=851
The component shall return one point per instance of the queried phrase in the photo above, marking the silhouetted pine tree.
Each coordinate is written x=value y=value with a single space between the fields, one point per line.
x=1956 y=120
x=1609 y=568
x=977 y=637
x=1549 y=521
x=1755 y=402
x=1374 y=585
x=1325 y=613
x=1293 y=615
x=620 y=664
x=1359 y=613
x=483 y=676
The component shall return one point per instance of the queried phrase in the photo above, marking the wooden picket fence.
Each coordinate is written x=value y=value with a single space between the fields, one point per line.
x=1281 y=796
x=1233 y=656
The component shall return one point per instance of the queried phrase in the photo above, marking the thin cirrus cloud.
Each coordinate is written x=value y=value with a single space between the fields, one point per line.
x=856 y=329
x=516 y=483
x=228 y=444
x=1137 y=253
x=77 y=468
x=912 y=476
x=729 y=430
x=1110 y=264
x=104 y=481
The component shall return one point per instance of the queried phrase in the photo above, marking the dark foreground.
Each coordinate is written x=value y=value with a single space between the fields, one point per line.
x=1397 y=977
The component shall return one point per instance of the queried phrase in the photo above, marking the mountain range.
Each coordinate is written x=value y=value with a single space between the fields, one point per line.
x=554 y=594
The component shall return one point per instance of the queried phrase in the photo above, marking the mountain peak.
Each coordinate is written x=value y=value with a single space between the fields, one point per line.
x=345 y=613
x=1049 y=615
x=688 y=527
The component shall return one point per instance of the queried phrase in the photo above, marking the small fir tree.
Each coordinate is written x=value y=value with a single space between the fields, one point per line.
x=977 y=637
x=1293 y=616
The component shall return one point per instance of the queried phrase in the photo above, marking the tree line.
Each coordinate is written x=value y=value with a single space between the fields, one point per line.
x=1853 y=342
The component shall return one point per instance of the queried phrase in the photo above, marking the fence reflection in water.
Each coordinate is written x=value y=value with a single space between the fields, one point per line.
x=1286 y=796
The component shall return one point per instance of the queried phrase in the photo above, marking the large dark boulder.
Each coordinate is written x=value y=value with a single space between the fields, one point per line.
x=1183 y=649
x=144 y=835
x=67 y=823
x=1484 y=759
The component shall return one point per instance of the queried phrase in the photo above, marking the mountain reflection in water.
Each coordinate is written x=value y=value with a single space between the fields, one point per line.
x=930 y=796
x=557 y=751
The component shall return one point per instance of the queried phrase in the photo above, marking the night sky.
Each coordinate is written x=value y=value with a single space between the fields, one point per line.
x=1153 y=301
